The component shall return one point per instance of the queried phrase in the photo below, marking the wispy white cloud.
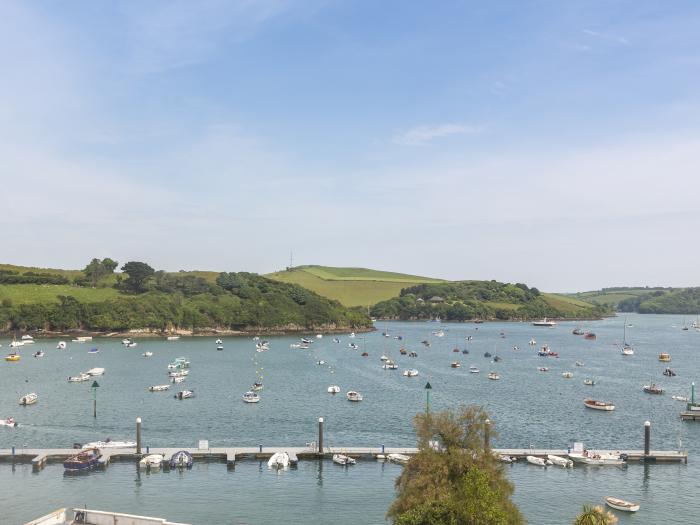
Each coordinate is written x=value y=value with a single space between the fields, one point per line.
x=609 y=37
x=422 y=135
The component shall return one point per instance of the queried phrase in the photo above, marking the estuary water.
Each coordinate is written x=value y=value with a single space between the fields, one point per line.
x=528 y=407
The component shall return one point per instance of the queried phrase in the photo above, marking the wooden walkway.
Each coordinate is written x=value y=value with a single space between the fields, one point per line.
x=40 y=457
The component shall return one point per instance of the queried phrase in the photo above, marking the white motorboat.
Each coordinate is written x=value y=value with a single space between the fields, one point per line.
x=336 y=340
x=534 y=460
x=342 y=459
x=278 y=460
x=334 y=389
x=39 y=354
x=109 y=444
x=320 y=362
x=61 y=345
x=179 y=373
x=589 y=457
x=79 y=378
x=352 y=334
x=567 y=375
x=251 y=397
x=158 y=388
x=28 y=399
x=126 y=342
x=532 y=342
x=319 y=336
x=473 y=369
x=389 y=365
x=383 y=358
x=8 y=422
x=172 y=338
x=455 y=364
x=219 y=347
x=503 y=458
x=95 y=371
x=588 y=381
x=178 y=379
x=27 y=337
x=398 y=458
x=439 y=333
x=306 y=341
x=16 y=344
x=353 y=346
x=411 y=372
x=560 y=461
x=599 y=405
x=82 y=339
x=544 y=322
x=151 y=462
x=354 y=396
x=295 y=345
x=494 y=376
x=579 y=363
x=147 y=354
x=257 y=386
x=680 y=398
x=543 y=369
x=219 y=342
x=622 y=505
x=184 y=394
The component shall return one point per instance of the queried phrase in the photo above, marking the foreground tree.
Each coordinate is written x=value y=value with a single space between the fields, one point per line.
x=139 y=273
x=595 y=516
x=454 y=479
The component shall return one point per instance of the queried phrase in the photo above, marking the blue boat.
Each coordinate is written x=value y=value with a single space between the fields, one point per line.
x=181 y=459
x=93 y=350
x=85 y=460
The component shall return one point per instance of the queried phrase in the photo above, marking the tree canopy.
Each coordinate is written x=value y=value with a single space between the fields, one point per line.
x=139 y=274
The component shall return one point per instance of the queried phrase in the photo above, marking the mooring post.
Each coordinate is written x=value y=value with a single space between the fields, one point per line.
x=13 y=452
x=382 y=448
x=647 y=438
x=487 y=434
x=260 y=447
x=320 y=435
x=138 y=435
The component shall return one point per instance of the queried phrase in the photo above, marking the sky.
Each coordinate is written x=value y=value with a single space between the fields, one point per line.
x=545 y=142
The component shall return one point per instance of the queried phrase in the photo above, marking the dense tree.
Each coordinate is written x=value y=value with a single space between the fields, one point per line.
x=98 y=269
x=139 y=274
x=453 y=479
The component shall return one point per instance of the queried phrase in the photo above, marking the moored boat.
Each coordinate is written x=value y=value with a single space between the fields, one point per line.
x=473 y=369
x=147 y=354
x=589 y=382
x=411 y=372
x=589 y=457
x=534 y=460
x=172 y=338
x=620 y=504
x=251 y=397
x=354 y=396
x=13 y=357
x=184 y=394
x=342 y=459
x=669 y=372
x=178 y=379
x=398 y=458
x=79 y=378
x=590 y=336
x=494 y=376
x=567 y=375
x=108 y=443
x=560 y=461
x=278 y=460
x=664 y=357
x=40 y=353
x=86 y=459
x=158 y=388
x=95 y=372
x=599 y=405
x=334 y=389
x=61 y=345
x=455 y=364
x=653 y=388
x=544 y=322
x=181 y=459
x=151 y=462
x=29 y=399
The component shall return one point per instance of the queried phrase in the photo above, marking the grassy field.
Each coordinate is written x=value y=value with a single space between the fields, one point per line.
x=566 y=304
x=48 y=293
x=70 y=274
x=329 y=273
x=612 y=297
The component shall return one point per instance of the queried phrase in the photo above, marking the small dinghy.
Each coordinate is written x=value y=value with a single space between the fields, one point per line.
x=151 y=462
x=567 y=375
x=147 y=354
x=473 y=370
x=398 y=458
x=540 y=462
x=560 y=461
x=543 y=369
x=356 y=397
x=184 y=394
x=29 y=399
x=158 y=388
x=455 y=364
x=620 y=504
x=83 y=376
x=494 y=376
x=334 y=389
x=412 y=372
x=9 y=422
x=39 y=354
x=61 y=345
x=181 y=459
x=588 y=382
x=251 y=397
x=342 y=459
x=278 y=460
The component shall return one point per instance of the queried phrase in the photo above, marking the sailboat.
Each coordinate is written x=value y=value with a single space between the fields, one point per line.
x=626 y=347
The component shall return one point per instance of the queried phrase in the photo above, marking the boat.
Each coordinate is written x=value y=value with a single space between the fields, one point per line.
x=579 y=363
x=93 y=351
x=411 y=372
x=455 y=350
x=39 y=354
x=61 y=345
x=620 y=504
x=353 y=346
x=577 y=331
x=95 y=372
x=455 y=364
x=320 y=362
x=626 y=347
x=26 y=338
x=16 y=344
x=426 y=344
x=664 y=357
x=12 y=357
x=403 y=351
x=179 y=373
x=473 y=370
x=79 y=378
x=653 y=388
x=465 y=352
x=532 y=342
x=28 y=399
x=151 y=462
x=680 y=398
x=178 y=379
x=147 y=354
x=342 y=459
x=295 y=345
x=219 y=342
x=352 y=334
x=544 y=322
x=158 y=388
x=398 y=458
x=172 y=338
x=496 y=359
x=588 y=382
x=353 y=396
x=390 y=365
x=590 y=336
x=567 y=375
x=383 y=358
x=181 y=459
x=543 y=369
x=494 y=376
x=278 y=460
x=251 y=397
x=131 y=344
x=439 y=333
x=534 y=460
x=503 y=458
x=306 y=341
x=560 y=461
x=598 y=405
x=669 y=372
x=86 y=459
x=589 y=457
x=179 y=363
x=487 y=354
x=126 y=341
x=82 y=339
x=365 y=354
x=334 y=389
x=627 y=350
x=413 y=354
x=108 y=443
x=184 y=394
x=219 y=347
x=257 y=386
x=8 y=422
x=336 y=340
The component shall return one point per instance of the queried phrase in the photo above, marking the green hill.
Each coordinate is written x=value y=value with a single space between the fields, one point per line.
x=350 y=286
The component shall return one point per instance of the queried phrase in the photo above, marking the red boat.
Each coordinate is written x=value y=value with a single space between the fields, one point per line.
x=589 y=335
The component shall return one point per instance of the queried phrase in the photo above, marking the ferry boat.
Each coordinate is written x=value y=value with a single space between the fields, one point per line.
x=622 y=505
x=354 y=396
x=28 y=399
x=544 y=322
x=251 y=397
x=664 y=357
x=599 y=405
x=181 y=459
x=87 y=459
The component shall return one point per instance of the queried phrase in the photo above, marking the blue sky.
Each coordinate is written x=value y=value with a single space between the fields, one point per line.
x=552 y=143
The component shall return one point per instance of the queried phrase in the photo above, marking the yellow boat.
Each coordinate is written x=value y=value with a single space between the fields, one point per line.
x=664 y=357
x=12 y=357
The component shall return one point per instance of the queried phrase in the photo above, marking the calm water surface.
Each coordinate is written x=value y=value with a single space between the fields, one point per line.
x=527 y=406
